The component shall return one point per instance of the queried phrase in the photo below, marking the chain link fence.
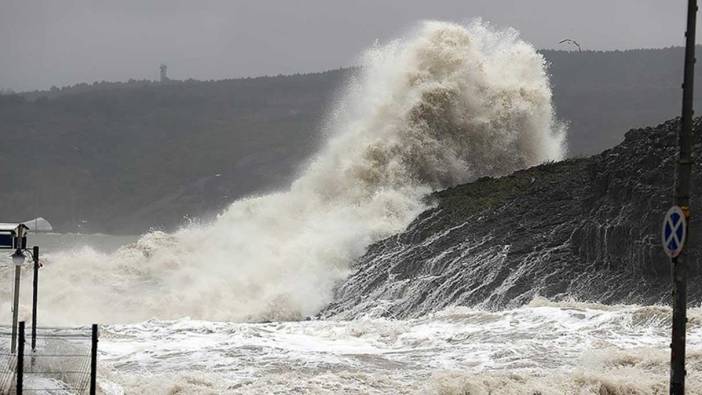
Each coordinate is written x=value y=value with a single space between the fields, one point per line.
x=63 y=361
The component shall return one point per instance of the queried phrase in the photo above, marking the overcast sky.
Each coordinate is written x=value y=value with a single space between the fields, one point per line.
x=62 y=42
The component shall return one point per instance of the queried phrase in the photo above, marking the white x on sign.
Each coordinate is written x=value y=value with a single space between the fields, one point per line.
x=674 y=231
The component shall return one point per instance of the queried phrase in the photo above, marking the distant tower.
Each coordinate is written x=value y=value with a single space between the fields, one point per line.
x=164 y=73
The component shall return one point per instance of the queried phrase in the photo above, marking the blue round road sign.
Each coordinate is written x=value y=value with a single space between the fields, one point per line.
x=674 y=231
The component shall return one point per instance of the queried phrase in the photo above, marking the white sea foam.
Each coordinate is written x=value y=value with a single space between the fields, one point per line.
x=444 y=105
x=548 y=348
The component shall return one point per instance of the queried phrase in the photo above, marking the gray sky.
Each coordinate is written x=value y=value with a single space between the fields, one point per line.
x=62 y=42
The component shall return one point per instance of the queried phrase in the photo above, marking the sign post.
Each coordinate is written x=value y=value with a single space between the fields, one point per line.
x=682 y=201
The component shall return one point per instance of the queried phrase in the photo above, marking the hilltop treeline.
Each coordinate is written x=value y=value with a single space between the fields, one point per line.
x=123 y=157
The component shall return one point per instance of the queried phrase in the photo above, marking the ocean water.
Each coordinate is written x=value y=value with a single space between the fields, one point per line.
x=221 y=307
x=541 y=348
x=442 y=105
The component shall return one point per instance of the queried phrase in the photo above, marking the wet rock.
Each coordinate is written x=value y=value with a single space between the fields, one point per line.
x=583 y=228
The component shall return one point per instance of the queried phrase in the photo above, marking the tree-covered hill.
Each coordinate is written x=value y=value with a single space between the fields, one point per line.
x=123 y=157
x=601 y=94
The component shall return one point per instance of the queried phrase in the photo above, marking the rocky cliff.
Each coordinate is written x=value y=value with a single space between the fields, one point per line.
x=584 y=228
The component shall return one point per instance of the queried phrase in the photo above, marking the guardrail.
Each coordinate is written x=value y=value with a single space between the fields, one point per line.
x=64 y=361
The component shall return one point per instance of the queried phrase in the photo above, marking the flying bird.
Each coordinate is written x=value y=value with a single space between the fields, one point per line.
x=573 y=42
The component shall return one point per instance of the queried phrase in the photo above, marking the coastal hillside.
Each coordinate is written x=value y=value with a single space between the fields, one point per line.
x=127 y=157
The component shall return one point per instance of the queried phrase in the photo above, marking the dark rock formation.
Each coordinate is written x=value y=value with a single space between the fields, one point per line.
x=585 y=228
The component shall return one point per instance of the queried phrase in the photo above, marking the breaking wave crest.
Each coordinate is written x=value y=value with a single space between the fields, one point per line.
x=442 y=106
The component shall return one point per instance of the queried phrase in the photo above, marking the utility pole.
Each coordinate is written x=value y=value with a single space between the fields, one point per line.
x=35 y=290
x=682 y=199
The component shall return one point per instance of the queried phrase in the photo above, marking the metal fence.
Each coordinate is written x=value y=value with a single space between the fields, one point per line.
x=62 y=361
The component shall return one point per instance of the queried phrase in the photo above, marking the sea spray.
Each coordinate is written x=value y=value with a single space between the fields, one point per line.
x=442 y=106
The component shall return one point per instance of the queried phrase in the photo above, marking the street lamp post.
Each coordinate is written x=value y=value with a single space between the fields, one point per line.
x=17 y=260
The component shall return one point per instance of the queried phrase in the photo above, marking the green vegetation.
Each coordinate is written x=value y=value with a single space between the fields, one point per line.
x=489 y=193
